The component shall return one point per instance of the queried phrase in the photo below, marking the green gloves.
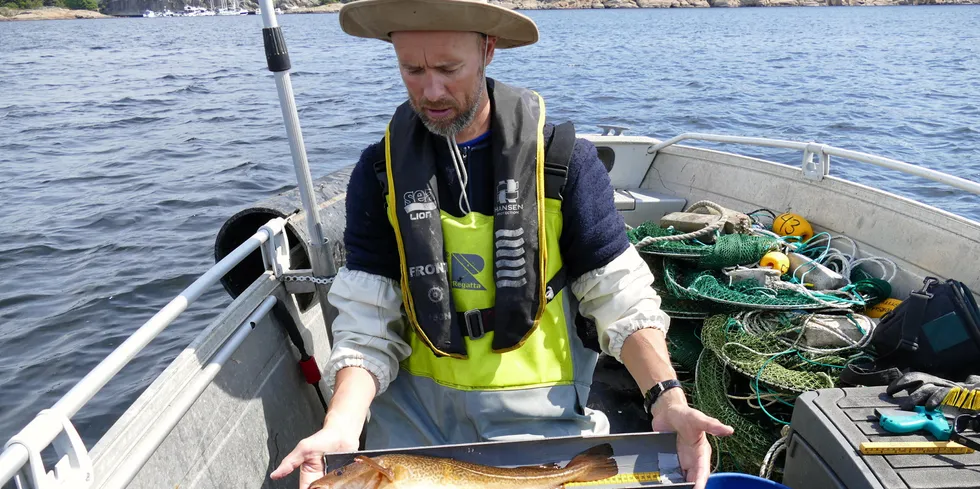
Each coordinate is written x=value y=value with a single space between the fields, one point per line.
x=931 y=392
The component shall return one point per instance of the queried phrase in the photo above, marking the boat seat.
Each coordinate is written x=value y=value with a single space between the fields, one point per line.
x=626 y=169
x=640 y=205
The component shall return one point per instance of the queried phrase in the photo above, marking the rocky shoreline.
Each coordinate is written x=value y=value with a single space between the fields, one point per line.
x=308 y=7
x=49 y=13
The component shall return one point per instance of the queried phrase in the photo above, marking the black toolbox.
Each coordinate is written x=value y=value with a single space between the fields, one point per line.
x=827 y=429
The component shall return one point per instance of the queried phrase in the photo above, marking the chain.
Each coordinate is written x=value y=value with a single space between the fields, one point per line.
x=307 y=278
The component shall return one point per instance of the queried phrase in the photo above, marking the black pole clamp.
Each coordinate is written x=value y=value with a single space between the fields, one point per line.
x=275 y=49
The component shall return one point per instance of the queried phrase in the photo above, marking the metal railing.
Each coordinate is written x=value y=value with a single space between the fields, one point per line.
x=51 y=423
x=138 y=455
x=816 y=170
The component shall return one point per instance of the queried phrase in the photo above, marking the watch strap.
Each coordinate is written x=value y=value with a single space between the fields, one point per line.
x=654 y=393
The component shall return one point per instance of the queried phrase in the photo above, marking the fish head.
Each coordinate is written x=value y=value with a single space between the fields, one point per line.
x=355 y=475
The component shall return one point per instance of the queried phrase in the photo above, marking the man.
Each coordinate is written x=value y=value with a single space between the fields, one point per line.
x=470 y=253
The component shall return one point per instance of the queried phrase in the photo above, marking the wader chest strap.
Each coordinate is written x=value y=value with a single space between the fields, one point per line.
x=477 y=322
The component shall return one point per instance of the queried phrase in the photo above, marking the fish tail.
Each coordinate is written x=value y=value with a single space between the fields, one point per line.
x=594 y=464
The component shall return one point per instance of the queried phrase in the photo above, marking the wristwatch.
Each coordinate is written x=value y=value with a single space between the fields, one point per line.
x=655 y=392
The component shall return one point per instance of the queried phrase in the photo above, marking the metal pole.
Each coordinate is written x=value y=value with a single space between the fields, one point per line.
x=321 y=260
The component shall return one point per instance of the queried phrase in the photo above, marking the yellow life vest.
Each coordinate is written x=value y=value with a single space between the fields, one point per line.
x=468 y=339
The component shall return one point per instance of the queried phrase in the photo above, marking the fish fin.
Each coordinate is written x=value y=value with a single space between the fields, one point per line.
x=386 y=472
x=550 y=466
x=595 y=463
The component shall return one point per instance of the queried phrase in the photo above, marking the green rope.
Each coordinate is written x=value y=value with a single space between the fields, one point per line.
x=758 y=397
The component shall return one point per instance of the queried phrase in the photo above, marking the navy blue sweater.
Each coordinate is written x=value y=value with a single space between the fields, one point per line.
x=593 y=232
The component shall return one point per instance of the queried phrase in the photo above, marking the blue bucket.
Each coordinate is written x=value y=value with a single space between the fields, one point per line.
x=733 y=480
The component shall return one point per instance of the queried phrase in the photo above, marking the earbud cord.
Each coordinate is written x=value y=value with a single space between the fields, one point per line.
x=458 y=163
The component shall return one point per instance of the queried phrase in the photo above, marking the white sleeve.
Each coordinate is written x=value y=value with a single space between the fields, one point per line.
x=369 y=329
x=620 y=299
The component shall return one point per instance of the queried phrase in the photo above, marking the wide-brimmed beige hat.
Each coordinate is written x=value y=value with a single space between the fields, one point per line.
x=377 y=19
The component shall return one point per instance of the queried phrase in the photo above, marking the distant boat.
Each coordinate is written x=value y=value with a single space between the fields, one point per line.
x=190 y=11
x=149 y=13
x=234 y=10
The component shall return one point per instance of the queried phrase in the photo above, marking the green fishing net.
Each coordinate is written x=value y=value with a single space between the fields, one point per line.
x=679 y=306
x=665 y=248
x=683 y=345
x=736 y=249
x=744 y=450
x=728 y=250
x=767 y=358
x=708 y=285
x=747 y=377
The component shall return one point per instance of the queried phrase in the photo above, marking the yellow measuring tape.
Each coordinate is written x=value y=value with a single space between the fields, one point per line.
x=620 y=479
x=914 y=447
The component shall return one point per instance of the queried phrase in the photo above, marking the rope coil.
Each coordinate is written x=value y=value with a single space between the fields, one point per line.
x=709 y=229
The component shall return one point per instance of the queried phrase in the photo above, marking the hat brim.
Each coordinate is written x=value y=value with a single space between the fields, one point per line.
x=377 y=19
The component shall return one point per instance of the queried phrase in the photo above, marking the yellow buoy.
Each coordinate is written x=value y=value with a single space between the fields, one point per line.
x=790 y=224
x=776 y=261
x=884 y=307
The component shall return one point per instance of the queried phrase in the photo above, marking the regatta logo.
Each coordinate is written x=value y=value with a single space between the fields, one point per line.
x=465 y=267
x=508 y=191
x=426 y=270
x=419 y=204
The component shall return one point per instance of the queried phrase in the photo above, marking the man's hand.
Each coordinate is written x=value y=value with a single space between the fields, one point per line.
x=671 y=413
x=645 y=356
x=308 y=454
x=341 y=428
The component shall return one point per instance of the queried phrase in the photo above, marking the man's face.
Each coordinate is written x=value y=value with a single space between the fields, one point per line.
x=443 y=73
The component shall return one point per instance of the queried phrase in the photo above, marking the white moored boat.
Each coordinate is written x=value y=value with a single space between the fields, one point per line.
x=233 y=403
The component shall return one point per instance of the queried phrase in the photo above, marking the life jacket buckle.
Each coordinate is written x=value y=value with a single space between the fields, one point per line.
x=474 y=318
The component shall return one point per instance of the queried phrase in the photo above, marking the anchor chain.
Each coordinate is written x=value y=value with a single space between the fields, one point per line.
x=307 y=278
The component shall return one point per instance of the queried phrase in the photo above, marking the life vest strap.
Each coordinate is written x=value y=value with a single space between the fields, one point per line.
x=558 y=155
x=475 y=323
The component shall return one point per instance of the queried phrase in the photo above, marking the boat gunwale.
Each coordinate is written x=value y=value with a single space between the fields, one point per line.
x=909 y=209
x=50 y=427
x=794 y=172
x=178 y=374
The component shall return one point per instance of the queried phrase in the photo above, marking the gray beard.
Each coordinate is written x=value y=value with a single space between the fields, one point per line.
x=460 y=122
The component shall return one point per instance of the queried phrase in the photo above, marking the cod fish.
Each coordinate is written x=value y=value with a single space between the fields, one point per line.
x=421 y=472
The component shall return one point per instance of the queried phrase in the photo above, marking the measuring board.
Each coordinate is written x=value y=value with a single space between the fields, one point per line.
x=631 y=478
x=913 y=447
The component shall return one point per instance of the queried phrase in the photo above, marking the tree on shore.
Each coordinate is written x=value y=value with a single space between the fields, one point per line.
x=82 y=4
x=22 y=4
x=36 y=4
